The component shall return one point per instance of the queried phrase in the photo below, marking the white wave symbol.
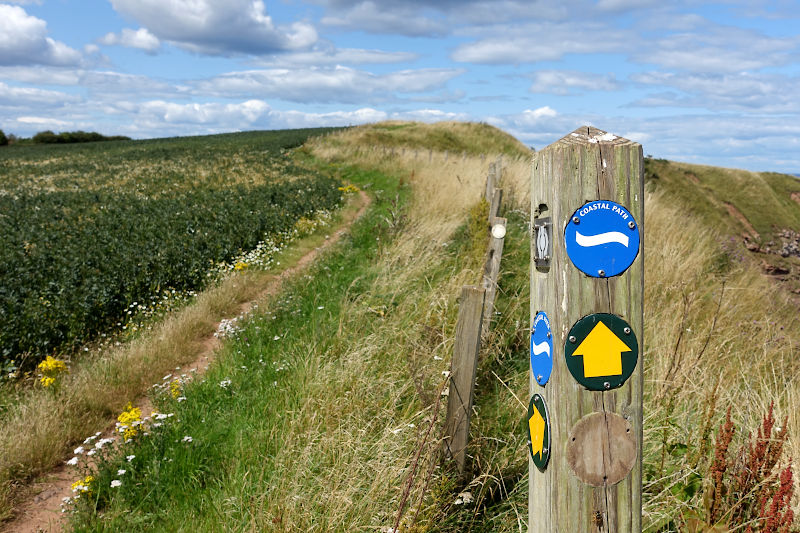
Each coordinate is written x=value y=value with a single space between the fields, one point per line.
x=542 y=347
x=603 y=238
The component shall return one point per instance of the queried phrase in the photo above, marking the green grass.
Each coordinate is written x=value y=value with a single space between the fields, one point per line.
x=242 y=433
x=318 y=428
x=454 y=137
x=763 y=198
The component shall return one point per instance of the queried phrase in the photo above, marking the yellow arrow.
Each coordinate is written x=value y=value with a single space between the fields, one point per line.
x=602 y=352
x=536 y=425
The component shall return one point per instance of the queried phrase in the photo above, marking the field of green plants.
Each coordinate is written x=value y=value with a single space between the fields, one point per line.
x=90 y=234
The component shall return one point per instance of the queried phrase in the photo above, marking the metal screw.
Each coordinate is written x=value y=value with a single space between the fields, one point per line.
x=572 y=339
x=601 y=273
x=607 y=385
x=631 y=225
x=627 y=331
x=544 y=450
x=539 y=377
x=576 y=220
x=549 y=334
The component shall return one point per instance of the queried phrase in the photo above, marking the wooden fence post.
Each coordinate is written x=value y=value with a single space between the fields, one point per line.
x=568 y=180
x=495 y=200
x=491 y=182
x=491 y=269
x=462 y=373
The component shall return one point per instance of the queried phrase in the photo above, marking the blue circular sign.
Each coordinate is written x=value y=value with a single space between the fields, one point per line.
x=602 y=239
x=541 y=349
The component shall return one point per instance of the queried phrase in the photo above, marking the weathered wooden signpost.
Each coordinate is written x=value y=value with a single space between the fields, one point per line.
x=587 y=276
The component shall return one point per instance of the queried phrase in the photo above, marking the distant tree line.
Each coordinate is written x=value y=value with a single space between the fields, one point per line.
x=48 y=137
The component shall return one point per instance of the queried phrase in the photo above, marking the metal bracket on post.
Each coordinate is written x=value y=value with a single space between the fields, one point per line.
x=543 y=237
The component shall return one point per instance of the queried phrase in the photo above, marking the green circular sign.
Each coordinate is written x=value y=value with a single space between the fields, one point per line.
x=601 y=351
x=538 y=432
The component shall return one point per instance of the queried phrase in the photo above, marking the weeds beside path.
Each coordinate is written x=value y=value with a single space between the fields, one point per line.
x=40 y=510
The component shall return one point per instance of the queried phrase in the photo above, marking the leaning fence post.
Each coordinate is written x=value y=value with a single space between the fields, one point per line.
x=494 y=203
x=490 y=183
x=587 y=286
x=462 y=373
x=491 y=270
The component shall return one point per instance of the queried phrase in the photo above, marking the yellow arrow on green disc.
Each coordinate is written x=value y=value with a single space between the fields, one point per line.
x=539 y=432
x=536 y=425
x=602 y=352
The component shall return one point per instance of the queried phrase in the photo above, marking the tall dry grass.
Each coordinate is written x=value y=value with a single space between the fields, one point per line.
x=718 y=334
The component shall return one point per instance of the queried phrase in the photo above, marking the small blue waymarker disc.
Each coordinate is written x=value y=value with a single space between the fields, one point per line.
x=541 y=348
x=602 y=239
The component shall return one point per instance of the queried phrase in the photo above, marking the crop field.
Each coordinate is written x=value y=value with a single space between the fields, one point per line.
x=90 y=234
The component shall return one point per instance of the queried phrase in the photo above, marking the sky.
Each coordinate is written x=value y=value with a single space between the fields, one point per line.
x=711 y=83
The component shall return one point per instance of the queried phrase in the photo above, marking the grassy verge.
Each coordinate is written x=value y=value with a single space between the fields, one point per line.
x=39 y=426
x=311 y=418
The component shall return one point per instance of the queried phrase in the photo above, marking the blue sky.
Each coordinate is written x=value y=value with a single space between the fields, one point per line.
x=712 y=83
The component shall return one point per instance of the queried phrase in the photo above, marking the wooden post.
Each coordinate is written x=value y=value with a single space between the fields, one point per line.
x=584 y=166
x=462 y=373
x=490 y=183
x=491 y=270
x=495 y=200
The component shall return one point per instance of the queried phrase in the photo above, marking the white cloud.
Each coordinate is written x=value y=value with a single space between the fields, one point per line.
x=563 y=81
x=337 y=84
x=217 y=28
x=535 y=115
x=300 y=119
x=30 y=96
x=720 y=49
x=329 y=56
x=625 y=5
x=743 y=91
x=41 y=75
x=542 y=41
x=398 y=19
x=422 y=18
x=191 y=118
x=43 y=122
x=141 y=39
x=24 y=41
x=207 y=113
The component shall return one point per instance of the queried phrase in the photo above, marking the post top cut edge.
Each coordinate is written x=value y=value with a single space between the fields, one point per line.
x=592 y=135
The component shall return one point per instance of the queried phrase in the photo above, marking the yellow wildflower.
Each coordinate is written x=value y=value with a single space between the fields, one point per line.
x=175 y=388
x=50 y=369
x=83 y=486
x=129 y=420
x=240 y=265
x=349 y=188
